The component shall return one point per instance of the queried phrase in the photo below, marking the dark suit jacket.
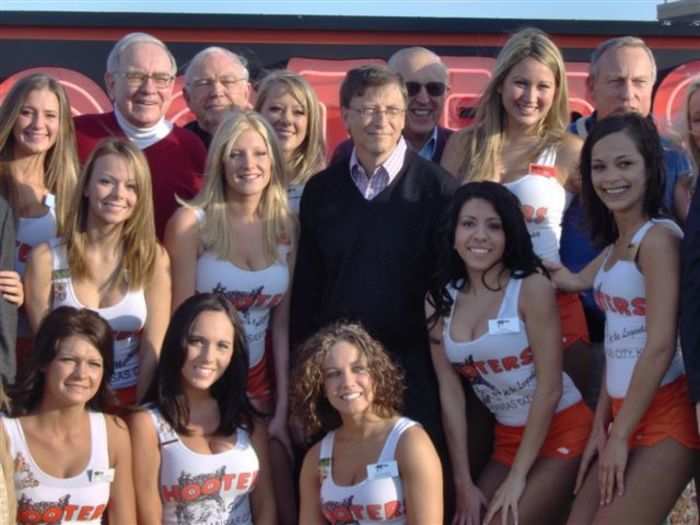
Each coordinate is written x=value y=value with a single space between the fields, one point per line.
x=343 y=150
x=8 y=311
x=690 y=298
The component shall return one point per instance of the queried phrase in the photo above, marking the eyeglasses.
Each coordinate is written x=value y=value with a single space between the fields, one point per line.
x=434 y=89
x=372 y=111
x=137 y=78
x=226 y=81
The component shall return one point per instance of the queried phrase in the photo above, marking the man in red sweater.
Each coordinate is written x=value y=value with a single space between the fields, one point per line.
x=139 y=80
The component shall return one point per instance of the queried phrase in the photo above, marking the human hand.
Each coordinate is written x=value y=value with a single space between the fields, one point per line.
x=469 y=502
x=611 y=469
x=11 y=287
x=506 y=498
x=594 y=447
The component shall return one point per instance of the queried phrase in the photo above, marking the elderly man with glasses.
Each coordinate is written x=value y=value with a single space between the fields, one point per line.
x=216 y=82
x=139 y=80
x=427 y=85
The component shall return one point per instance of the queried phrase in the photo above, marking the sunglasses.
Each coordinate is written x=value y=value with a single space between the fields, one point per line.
x=434 y=89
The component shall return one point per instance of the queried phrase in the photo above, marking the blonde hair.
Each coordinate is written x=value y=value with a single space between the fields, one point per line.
x=138 y=232
x=273 y=210
x=690 y=140
x=483 y=141
x=310 y=156
x=60 y=162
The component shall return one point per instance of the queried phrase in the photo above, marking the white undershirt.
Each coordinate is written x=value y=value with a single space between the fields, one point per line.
x=143 y=137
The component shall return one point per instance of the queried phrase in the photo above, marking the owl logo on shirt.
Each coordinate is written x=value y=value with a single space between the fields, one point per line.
x=339 y=513
x=469 y=370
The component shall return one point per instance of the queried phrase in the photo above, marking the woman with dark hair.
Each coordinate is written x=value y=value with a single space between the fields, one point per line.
x=372 y=465
x=72 y=461
x=202 y=454
x=644 y=423
x=493 y=318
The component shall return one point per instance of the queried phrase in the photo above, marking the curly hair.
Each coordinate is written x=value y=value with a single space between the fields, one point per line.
x=308 y=397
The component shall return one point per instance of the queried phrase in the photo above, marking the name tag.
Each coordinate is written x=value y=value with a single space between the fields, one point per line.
x=101 y=476
x=506 y=325
x=387 y=469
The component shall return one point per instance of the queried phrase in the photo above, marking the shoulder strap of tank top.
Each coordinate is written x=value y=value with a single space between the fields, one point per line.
x=326 y=451
x=50 y=200
x=15 y=436
x=548 y=156
x=641 y=232
x=100 y=445
x=511 y=299
x=59 y=259
x=392 y=440
x=452 y=291
x=166 y=433
x=242 y=438
x=200 y=215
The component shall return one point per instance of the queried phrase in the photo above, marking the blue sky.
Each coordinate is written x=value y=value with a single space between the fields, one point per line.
x=561 y=9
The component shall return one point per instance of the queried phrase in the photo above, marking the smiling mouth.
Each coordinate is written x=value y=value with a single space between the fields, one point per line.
x=350 y=396
x=616 y=190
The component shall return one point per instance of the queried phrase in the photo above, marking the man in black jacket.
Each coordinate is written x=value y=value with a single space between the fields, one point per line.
x=8 y=284
x=367 y=228
x=427 y=85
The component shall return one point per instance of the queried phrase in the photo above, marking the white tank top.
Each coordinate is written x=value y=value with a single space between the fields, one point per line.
x=543 y=201
x=32 y=231
x=127 y=318
x=206 y=489
x=500 y=364
x=620 y=293
x=44 y=499
x=377 y=499
x=254 y=293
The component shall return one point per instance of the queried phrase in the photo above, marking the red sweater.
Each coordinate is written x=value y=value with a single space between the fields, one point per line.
x=176 y=162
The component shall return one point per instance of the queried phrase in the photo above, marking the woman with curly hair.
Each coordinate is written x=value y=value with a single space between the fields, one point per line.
x=372 y=465
x=292 y=108
x=492 y=319
x=236 y=237
x=72 y=455
x=38 y=172
x=108 y=259
x=202 y=453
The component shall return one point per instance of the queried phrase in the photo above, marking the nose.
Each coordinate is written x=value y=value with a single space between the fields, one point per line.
x=422 y=95
x=286 y=116
x=626 y=89
x=481 y=231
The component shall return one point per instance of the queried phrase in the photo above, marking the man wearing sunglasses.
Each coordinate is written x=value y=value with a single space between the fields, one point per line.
x=139 y=80
x=427 y=84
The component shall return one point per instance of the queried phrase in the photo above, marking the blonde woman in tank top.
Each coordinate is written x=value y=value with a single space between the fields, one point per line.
x=107 y=259
x=202 y=456
x=237 y=238
x=72 y=457
x=372 y=466
x=292 y=108
x=38 y=171
x=519 y=138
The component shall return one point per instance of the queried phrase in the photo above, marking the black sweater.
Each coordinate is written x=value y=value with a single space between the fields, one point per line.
x=369 y=261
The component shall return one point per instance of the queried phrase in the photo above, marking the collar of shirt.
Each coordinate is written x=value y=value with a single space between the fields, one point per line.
x=428 y=149
x=373 y=184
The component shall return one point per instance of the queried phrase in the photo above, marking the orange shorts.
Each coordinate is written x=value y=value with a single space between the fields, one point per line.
x=670 y=415
x=260 y=379
x=566 y=439
x=23 y=353
x=126 y=396
x=574 y=326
